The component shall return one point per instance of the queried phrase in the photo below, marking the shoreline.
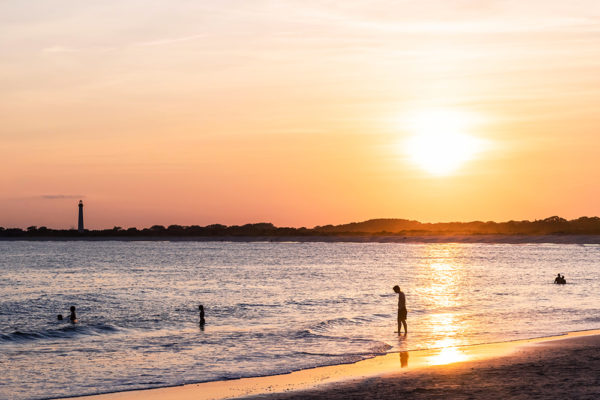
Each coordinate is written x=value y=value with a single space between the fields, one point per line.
x=491 y=239
x=328 y=381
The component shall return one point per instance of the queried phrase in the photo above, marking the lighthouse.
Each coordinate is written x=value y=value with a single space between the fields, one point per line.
x=80 y=221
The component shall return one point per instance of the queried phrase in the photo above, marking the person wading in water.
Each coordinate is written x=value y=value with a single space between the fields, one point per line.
x=401 y=309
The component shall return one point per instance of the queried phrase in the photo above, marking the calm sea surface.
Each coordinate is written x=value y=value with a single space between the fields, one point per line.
x=270 y=307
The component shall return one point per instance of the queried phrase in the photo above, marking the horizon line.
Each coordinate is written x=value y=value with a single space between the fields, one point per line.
x=553 y=218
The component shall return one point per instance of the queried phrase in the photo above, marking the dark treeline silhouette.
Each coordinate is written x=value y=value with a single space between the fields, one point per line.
x=393 y=227
x=217 y=230
x=549 y=226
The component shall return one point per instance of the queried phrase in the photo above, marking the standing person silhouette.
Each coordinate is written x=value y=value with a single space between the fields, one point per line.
x=401 y=310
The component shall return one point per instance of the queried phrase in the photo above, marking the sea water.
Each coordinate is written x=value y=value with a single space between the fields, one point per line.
x=270 y=308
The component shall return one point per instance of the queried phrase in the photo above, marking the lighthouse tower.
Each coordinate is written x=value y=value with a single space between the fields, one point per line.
x=80 y=221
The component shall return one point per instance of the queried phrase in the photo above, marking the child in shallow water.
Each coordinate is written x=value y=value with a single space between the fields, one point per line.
x=73 y=317
x=201 y=310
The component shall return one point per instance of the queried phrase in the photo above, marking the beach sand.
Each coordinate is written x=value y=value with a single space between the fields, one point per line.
x=562 y=367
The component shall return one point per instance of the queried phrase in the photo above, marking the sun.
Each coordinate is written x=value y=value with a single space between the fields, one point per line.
x=439 y=141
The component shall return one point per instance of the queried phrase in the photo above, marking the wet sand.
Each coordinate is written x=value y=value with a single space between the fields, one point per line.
x=546 y=368
x=562 y=369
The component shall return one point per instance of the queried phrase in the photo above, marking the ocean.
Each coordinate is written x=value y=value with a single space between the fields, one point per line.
x=270 y=308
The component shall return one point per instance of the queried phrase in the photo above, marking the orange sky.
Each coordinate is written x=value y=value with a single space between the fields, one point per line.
x=294 y=112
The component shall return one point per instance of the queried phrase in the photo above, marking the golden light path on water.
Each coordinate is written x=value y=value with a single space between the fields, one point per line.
x=444 y=278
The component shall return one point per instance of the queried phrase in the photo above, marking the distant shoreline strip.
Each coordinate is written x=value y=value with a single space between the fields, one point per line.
x=492 y=239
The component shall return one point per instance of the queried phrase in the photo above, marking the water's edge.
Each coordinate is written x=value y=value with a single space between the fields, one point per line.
x=421 y=362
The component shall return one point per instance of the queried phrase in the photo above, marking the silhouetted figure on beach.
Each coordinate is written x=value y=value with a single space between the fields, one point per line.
x=73 y=317
x=401 y=310
x=202 y=320
x=560 y=280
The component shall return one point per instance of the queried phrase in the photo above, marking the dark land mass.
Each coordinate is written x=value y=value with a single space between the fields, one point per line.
x=549 y=230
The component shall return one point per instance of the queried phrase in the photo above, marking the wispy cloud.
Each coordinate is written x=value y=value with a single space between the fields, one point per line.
x=44 y=197
x=59 y=49
x=159 y=42
x=58 y=196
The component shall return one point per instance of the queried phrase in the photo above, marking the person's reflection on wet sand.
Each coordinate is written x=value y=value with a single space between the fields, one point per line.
x=403 y=353
x=403 y=359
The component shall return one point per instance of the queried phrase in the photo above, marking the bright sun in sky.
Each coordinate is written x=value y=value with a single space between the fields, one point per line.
x=440 y=142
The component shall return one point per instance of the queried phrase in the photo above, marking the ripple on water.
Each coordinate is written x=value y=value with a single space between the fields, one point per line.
x=270 y=307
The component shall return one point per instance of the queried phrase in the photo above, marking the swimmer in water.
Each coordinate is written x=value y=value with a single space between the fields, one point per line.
x=202 y=320
x=73 y=317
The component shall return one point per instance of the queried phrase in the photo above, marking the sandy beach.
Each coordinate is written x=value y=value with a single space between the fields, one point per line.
x=558 y=367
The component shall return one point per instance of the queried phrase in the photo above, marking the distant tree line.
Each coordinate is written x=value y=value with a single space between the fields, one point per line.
x=217 y=230
x=401 y=227
x=549 y=226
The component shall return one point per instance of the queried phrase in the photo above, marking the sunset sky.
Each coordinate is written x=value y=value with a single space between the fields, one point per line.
x=299 y=113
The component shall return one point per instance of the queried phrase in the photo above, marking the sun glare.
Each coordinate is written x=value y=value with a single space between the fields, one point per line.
x=439 y=142
x=448 y=355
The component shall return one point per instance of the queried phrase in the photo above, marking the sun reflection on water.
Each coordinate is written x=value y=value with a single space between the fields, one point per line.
x=443 y=285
